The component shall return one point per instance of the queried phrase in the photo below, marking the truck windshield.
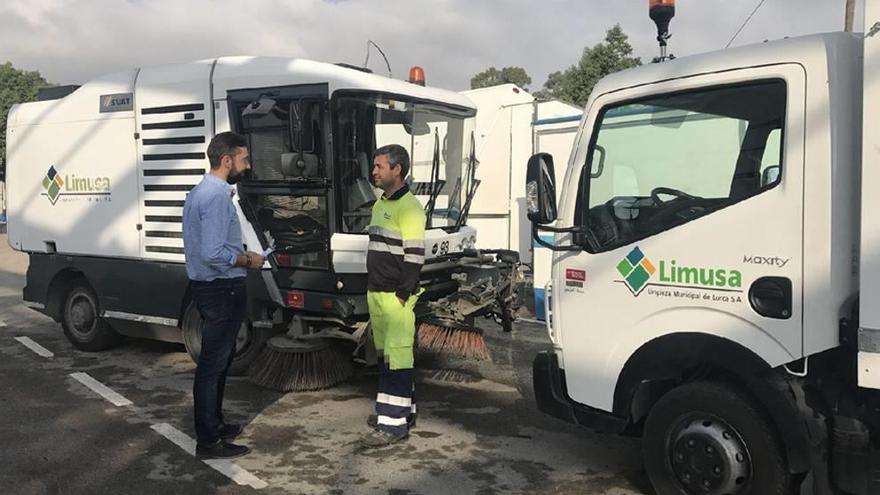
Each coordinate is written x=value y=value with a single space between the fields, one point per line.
x=365 y=122
x=657 y=163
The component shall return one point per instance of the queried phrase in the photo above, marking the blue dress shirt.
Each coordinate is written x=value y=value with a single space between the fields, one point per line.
x=211 y=231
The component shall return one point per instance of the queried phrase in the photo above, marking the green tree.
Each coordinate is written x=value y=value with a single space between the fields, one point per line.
x=575 y=83
x=507 y=75
x=16 y=86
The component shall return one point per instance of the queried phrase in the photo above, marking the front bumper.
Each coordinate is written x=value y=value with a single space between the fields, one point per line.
x=552 y=398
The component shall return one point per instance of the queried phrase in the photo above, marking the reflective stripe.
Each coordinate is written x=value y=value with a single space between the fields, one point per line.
x=385 y=248
x=414 y=258
x=414 y=243
x=384 y=232
x=394 y=400
x=389 y=421
x=386 y=240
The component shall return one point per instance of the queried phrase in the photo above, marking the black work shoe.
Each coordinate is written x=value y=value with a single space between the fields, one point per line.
x=373 y=421
x=230 y=430
x=221 y=450
x=379 y=438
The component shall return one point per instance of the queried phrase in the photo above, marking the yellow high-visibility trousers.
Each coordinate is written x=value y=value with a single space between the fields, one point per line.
x=394 y=327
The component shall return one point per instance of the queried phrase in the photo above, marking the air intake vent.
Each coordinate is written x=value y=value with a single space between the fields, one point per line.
x=55 y=92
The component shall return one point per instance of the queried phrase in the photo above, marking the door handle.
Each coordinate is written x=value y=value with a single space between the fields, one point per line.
x=771 y=297
x=548 y=311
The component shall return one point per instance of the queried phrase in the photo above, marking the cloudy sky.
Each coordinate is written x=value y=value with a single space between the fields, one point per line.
x=73 y=41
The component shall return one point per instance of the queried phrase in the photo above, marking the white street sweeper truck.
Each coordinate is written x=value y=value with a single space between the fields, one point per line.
x=97 y=180
x=716 y=280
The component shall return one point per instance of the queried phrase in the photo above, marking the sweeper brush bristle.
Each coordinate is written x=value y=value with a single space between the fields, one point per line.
x=287 y=365
x=461 y=342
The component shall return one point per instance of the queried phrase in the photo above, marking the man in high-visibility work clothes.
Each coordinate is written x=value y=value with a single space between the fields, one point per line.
x=394 y=259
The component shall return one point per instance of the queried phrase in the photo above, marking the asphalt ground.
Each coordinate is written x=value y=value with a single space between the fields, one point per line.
x=120 y=422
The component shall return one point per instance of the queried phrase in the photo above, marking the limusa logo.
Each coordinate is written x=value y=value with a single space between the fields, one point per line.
x=637 y=272
x=53 y=183
x=92 y=189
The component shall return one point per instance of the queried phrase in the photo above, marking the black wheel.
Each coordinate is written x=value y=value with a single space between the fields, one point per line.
x=709 y=439
x=82 y=323
x=248 y=344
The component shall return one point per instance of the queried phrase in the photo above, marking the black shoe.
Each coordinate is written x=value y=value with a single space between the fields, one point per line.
x=230 y=430
x=373 y=421
x=379 y=438
x=221 y=450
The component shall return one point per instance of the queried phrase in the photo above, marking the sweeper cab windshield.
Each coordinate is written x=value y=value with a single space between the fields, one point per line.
x=312 y=160
x=437 y=137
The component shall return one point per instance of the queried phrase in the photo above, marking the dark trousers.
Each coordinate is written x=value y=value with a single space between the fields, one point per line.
x=222 y=304
x=396 y=400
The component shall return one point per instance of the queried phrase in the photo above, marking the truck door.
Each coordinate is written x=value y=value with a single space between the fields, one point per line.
x=691 y=204
x=175 y=123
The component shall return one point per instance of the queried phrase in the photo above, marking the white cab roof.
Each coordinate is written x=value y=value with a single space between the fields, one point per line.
x=249 y=72
x=803 y=50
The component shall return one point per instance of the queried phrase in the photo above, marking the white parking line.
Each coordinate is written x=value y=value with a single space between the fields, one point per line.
x=37 y=348
x=101 y=389
x=2 y=323
x=227 y=467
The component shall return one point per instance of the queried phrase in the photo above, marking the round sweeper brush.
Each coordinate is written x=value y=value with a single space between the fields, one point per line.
x=446 y=338
x=288 y=364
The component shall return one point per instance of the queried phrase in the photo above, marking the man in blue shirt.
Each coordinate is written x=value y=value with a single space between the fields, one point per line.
x=216 y=265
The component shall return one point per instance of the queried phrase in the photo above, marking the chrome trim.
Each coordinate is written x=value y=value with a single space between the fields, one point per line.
x=119 y=315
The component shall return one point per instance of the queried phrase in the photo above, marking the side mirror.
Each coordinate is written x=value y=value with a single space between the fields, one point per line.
x=415 y=126
x=541 y=189
x=259 y=108
x=770 y=175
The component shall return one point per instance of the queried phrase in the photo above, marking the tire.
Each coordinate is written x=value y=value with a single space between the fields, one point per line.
x=83 y=326
x=700 y=427
x=249 y=343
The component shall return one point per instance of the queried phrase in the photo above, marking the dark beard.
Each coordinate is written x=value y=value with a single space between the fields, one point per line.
x=238 y=177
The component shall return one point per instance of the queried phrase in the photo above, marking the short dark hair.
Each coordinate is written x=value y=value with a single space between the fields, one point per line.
x=222 y=144
x=397 y=155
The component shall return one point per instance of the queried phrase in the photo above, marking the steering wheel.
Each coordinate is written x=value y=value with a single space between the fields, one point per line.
x=657 y=191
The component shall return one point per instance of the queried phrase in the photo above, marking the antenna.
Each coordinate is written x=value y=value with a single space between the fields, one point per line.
x=366 y=60
x=749 y=18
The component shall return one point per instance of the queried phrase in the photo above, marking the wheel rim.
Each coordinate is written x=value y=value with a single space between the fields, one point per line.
x=243 y=339
x=82 y=315
x=709 y=457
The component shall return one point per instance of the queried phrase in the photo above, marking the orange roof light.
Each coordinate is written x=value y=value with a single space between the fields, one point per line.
x=661 y=12
x=417 y=75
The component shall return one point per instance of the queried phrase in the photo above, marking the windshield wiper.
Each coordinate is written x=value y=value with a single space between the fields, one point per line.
x=470 y=186
x=435 y=184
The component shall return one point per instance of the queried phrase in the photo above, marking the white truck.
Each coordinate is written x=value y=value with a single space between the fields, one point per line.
x=97 y=180
x=716 y=274
x=511 y=125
